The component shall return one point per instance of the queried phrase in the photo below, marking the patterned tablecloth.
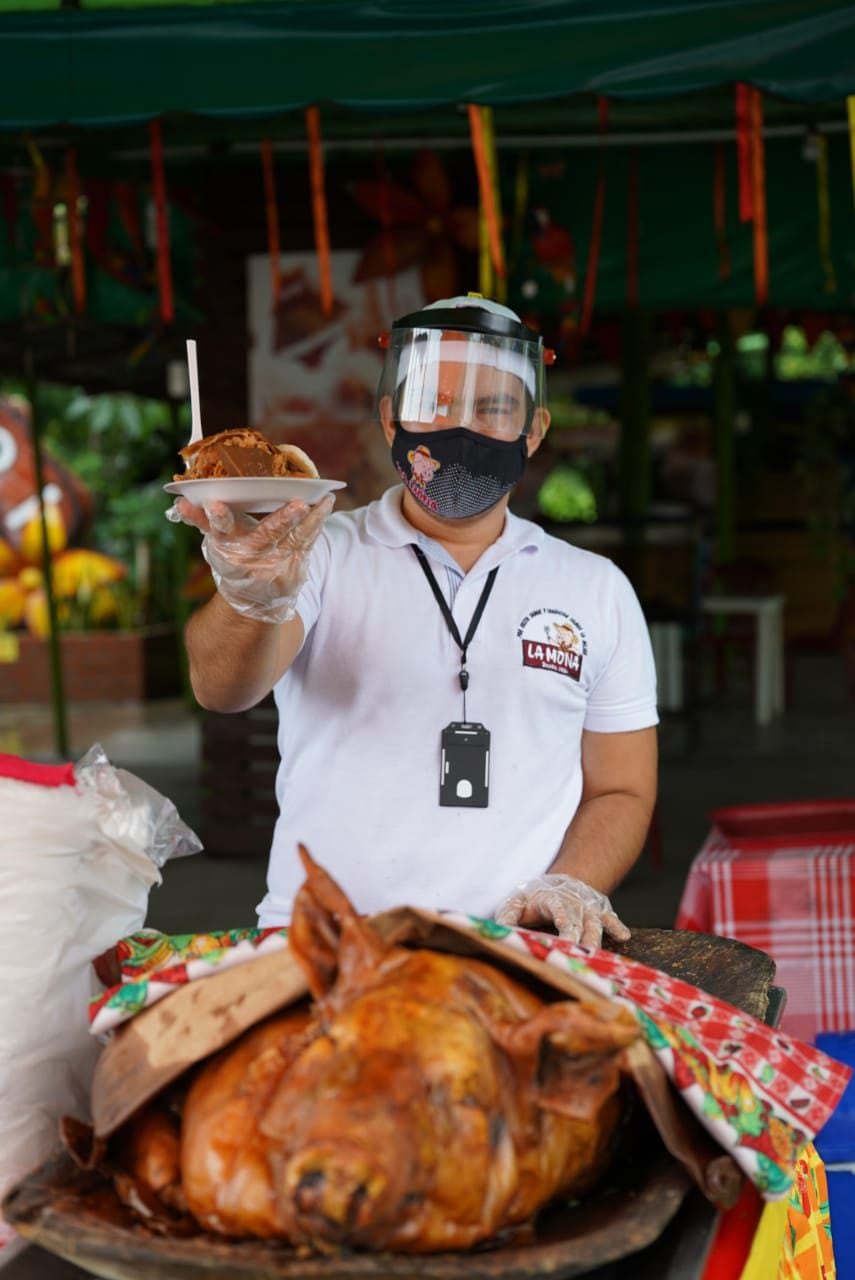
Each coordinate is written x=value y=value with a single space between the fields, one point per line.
x=793 y=901
x=760 y=1094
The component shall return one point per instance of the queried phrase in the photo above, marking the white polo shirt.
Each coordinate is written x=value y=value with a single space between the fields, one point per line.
x=562 y=646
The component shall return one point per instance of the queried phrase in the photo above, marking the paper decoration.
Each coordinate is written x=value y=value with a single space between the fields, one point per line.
x=824 y=215
x=596 y=223
x=480 y=141
x=720 y=210
x=271 y=212
x=164 y=266
x=319 y=208
x=78 y=266
x=758 y=180
x=743 y=152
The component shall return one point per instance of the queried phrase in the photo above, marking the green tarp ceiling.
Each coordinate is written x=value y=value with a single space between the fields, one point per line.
x=96 y=66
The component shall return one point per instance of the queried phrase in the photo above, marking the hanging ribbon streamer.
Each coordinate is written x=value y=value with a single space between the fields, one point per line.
x=824 y=214
x=500 y=283
x=743 y=152
x=319 y=208
x=75 y=236
x=271 y=212
x=596 y=223
x=42 y=206
x=758 y=175
x=388 y=242
x=486 y=189
x=520 y=207
x=720 y=210
x=164 y=266
x=850 y=105
x=632 y=230
x=486 y=274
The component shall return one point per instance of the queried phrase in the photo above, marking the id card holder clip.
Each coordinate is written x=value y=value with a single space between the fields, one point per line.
x=464 y=780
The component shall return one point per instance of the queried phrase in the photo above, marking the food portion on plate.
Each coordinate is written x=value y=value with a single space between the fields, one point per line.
x=246 y=471
x=244 y=452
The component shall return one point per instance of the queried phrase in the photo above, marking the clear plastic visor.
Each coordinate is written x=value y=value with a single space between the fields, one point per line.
x=434 y=379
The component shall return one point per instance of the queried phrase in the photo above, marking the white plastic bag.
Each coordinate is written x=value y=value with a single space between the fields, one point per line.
x=76 y=867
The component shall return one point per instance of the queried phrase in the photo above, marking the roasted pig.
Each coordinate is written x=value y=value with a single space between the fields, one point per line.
x=421 y=1101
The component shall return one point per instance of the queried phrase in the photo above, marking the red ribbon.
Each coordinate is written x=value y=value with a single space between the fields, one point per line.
x=720 y=210
x=632 y=230
x=486 y=189
x=758 y=182
x=596 y=224
x=743 y=151
x=158 y=182
x=319 y=208
x=75 y=237
x=271 y=211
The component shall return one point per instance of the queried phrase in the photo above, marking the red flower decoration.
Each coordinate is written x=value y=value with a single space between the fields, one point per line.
x=420 y=227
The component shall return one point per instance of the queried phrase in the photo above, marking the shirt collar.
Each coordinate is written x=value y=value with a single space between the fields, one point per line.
x=385 y=523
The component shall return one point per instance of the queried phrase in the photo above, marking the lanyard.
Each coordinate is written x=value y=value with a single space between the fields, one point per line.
x=463 y=644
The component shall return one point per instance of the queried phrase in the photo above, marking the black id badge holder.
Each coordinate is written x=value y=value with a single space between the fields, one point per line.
x=464 y=780
x=464 y=772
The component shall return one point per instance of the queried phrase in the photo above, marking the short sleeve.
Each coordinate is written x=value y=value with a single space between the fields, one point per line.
x=624 y=695
x=311 y=593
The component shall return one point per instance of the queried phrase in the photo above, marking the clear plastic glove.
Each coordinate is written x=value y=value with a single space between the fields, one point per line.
x=258 y=566
x=577 y=911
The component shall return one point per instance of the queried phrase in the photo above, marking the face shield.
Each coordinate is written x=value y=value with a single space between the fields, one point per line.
x=439 y=375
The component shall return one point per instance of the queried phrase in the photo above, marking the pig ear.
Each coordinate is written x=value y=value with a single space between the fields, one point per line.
x=570 y=1054
x=330 y=941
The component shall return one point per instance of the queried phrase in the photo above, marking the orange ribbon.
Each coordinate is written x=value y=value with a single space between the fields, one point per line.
x=486 y=188
x=758 y=183
x=743 y=152
x=632 y=230
x=720 y=210
x=158 y=181
x=271 y=212
x=596 y=224
x=319 y=208
x=78 y=266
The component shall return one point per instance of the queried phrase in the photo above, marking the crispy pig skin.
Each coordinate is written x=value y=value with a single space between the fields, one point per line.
x=225 y=1157
x=243 y=452
x=422 y=1102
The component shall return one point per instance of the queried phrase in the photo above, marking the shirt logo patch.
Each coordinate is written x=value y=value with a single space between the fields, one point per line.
x=553 y=641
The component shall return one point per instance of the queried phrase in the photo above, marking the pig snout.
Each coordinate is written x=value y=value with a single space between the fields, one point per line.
x=335 y=1191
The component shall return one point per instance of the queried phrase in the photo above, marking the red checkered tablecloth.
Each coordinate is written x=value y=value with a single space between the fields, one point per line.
x=793 y=902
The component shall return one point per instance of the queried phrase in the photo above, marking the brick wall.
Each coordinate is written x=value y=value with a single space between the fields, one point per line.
x=97 y=666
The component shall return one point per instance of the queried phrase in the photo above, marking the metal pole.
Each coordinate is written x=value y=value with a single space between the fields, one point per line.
x=57 y=693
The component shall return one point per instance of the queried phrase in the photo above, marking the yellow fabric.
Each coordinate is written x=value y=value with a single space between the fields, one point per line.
x=793 y=1237
x=766 y=1247
x=850 y=103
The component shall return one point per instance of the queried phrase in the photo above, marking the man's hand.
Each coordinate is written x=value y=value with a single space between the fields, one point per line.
x=258 y=566
x=578 y=912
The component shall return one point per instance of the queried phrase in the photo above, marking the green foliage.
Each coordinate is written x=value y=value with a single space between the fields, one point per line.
x=566 y=495
x=123 y=449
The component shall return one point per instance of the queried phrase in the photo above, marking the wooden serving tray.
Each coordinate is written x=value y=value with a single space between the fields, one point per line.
x=77 y=1215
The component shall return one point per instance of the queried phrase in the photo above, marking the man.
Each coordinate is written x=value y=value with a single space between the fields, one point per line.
x=466 y=705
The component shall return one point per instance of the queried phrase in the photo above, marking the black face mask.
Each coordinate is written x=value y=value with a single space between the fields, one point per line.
x=457 y=473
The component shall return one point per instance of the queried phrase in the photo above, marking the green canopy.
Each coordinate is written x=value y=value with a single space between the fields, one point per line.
x=96 y=66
